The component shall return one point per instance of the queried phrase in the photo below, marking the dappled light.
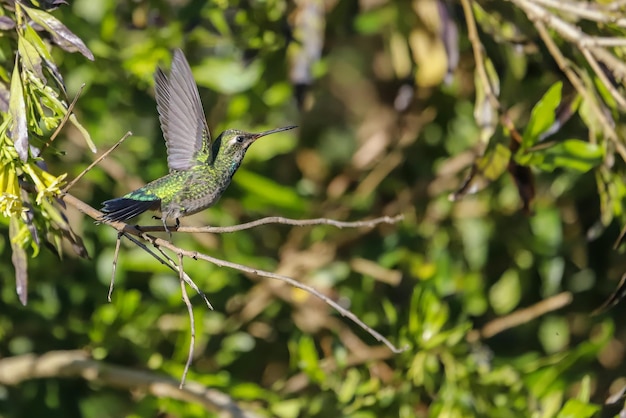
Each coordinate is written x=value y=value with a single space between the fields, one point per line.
x=434 y=227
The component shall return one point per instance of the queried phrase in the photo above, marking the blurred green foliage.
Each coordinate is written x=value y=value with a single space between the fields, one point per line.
x=437 y=282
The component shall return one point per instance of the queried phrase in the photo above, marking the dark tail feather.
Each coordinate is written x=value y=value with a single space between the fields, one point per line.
x=122 y=208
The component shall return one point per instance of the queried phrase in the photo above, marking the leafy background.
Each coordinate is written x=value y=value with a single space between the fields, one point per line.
x=387 y=125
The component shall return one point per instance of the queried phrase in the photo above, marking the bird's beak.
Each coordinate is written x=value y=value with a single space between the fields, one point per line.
x=271 y=131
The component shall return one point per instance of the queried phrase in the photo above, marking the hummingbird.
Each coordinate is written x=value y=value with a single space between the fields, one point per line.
x=200 y=170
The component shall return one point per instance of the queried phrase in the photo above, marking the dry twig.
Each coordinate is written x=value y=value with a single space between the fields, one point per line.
x=192 y=322
x=96 y=162
x=77 y=364
x=161 y=243
x=522 y=316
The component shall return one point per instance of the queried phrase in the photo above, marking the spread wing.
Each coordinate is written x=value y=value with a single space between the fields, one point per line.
x=181 y=115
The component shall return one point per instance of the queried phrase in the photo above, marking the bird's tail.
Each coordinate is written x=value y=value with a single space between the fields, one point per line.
x=123 y=208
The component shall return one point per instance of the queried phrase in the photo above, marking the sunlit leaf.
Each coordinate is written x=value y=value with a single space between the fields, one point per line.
x=542 y=116
x=33 y=37
x=84 y=132
x=308 y=359
x=270 y=191
x=226 y=75
x=17 y=110
x=374 y=21
x=575 y=408
x=30 y=58
x=605 y=94
x=349 y=386
x=564 y=112
x=485 y=170
x=506 y=293
x=61 y=35
x=572 y=154
x=430 y=58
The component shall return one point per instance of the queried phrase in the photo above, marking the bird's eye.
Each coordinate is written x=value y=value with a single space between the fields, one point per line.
x=239 y=139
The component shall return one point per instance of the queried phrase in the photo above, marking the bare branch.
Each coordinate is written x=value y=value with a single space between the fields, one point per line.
x=477 y=48
x=564 y=65
x=275 y=220
x=522 y=316
x=158 y=243
x=192 y=322
x=118 y=242
x=93 y=164
x=166 y=260
x=77 y=364
x=584 y=11
x=595 y=66
x=590 y=46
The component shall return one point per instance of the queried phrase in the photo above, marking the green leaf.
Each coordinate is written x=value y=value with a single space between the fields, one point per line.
x=349 y=386
x=374 y=21
x=506 y=293
x=268 y=191
x=17 y=110
x=585 y=389
x=573 y=154
x=309 y=359
x=542 y=116
x=30 y=58
x=61 y=35
x=494 y=163
x=226 y=75
x=20 y=263
x=34 y=38
x=486 y=169
x=576 y=409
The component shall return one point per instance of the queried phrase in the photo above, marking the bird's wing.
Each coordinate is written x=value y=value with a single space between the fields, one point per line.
x=181 y=115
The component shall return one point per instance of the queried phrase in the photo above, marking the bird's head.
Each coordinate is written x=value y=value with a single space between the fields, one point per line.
x=234 y=143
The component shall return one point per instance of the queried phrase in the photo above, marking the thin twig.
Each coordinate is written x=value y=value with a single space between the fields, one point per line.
x=575 y=80
x=166 y=260
x=619 y=239
x=539 y=16
x=97 y=160
x=66 y=117
x=477 y=49
x=77 y=364
x=118 y=242
x=172 y=264
x=158 y=242
x=275 y=220
x=522 y=316
x=595 y=66
x=262 y=273
x=580 y=9
x=618 y=295
x=192 y=322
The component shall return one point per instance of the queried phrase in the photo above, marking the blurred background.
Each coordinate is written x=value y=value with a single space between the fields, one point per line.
x=493 y=301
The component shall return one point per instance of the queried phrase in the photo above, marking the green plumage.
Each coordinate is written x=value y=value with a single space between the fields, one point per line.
x=200 y=170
